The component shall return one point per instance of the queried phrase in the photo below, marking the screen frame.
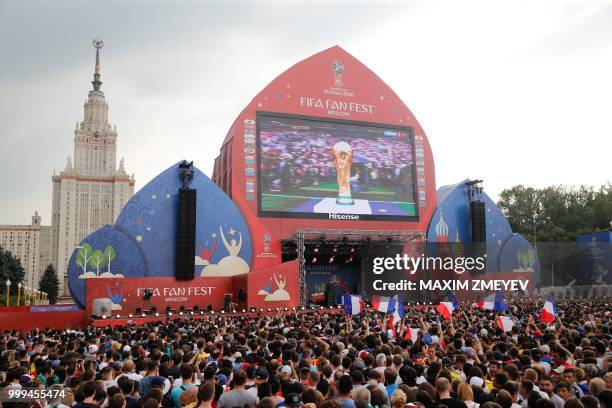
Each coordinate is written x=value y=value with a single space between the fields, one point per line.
x=317 y=216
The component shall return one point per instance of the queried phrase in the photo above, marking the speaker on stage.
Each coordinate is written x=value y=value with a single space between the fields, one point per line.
x=479 y=229
x=185 y=242
x=478 y=221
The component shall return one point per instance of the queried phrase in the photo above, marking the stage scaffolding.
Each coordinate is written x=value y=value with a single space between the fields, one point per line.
x=341 y=236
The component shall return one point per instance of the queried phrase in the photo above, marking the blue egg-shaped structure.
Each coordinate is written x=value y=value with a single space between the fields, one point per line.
x=146 y=234
x=105 y=253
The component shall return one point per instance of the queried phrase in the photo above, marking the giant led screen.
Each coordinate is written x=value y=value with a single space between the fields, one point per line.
x=333 y=169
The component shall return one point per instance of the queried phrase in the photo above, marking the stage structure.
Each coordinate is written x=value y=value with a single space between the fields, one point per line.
x=325 y=168
x=339 y=238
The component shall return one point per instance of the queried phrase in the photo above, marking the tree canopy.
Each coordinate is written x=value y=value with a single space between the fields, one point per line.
x=10 y=268
x=559 y=213
x=49 y=283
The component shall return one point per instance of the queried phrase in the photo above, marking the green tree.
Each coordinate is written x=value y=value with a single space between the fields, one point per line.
x=11 y=269
x=49 y=283
x=111 y=256
x=97 y=260
x=84 y=256
x=520 y=204
x=558 y=213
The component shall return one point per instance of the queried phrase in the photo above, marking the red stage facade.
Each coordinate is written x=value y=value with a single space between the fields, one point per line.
x=201 y=291
x=331 y=85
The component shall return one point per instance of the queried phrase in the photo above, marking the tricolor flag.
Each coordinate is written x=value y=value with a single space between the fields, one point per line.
x=384 y=304
x=448 y=306
x=352 y=304
x=506 y=323
x=411 y=334
x=495 y=301
x=549 y=311
x=398 y=313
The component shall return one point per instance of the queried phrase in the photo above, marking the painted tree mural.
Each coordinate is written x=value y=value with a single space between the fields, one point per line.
x=91 y=258
x=111 y=255
x=98 y=259
x=84 y=256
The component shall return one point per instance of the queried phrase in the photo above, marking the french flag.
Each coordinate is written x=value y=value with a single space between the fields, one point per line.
x=549 y=311
x=352 y=304
x=448 y=306
x=411 y=334
x=495 y=301
x=506 y=323
x=398 y=313
x=384 y=304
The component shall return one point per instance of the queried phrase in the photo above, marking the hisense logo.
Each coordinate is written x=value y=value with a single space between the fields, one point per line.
x=333 y=216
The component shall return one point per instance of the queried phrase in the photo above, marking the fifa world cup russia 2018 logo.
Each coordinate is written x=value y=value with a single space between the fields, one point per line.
x=343 y=159
x=266 y=242
x=338 y=68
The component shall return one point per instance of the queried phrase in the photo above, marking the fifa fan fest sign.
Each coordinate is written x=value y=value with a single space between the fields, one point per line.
x=327 y=144
x=336 y=108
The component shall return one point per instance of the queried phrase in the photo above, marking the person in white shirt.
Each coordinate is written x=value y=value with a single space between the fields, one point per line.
x=381 y=363
x=129 y=370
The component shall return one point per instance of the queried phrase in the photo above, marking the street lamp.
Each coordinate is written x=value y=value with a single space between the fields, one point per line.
x=8 y=286
x=19 y=293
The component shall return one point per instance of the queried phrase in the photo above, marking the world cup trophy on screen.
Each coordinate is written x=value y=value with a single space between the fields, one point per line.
x=343 y=158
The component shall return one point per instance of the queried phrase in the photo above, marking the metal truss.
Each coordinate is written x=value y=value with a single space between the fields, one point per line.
x=337 y=236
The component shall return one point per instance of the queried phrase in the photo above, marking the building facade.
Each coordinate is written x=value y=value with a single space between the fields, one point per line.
x=26 y=243
x=91 y=190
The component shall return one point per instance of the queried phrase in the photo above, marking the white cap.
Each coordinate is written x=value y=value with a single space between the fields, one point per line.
x=477 y=381
x=93 y=349
x=545 y=348
x=286 y=370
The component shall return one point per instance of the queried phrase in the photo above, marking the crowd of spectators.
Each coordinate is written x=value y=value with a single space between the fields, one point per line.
x=323 y=360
